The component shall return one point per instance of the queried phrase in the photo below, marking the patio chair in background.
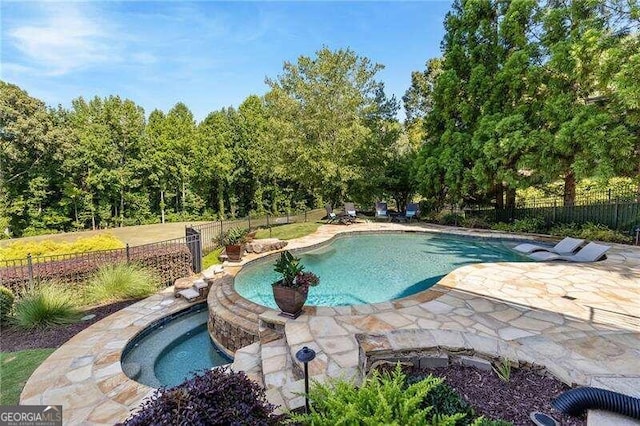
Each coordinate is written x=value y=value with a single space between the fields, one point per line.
x=350 y=211
x=412 y=211
x=333 y=218
x=381 y=210
x=589 y=253
x=567 y=246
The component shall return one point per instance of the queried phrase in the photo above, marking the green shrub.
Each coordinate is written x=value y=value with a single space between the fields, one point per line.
x=384 y=398
x=565 y=230
x=476 y=222
x=6 y=303
x=445 y=401
x=46 y=305
x=119 y=282
x=591 y=231
x=528 y=224
x=20 y=249
x=451 y=219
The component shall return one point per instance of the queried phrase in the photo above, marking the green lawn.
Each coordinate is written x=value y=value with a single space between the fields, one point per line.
x=212 y=258
x=290 y=231
x=15 y=369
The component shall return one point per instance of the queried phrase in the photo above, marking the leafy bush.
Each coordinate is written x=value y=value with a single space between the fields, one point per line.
x=120 y=282
x=445 y=401
x=529 y=224
x=46 y=305
x=217 y=397
x=384 y=398
x=451 y=219
x=590 y=231
x=20 y=249
x=475 y=222
x=6 y=303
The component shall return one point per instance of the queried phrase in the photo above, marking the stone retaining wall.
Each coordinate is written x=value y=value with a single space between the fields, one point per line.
x=229 y=334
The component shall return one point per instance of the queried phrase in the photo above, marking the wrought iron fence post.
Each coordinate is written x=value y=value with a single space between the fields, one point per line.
x=249 y=219
x=128 y=254
x=30 y=269
x=616 y=210
x=305 y=215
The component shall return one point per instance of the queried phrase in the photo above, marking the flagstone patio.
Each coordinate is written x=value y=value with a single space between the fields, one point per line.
x=579 y=321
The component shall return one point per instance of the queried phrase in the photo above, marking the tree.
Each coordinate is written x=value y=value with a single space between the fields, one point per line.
x=327 y=118
x=213 y=156
x=31 y=153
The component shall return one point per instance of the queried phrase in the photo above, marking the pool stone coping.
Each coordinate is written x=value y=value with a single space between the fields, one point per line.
x=85 y=376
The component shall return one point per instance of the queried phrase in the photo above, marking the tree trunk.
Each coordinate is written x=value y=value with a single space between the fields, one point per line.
x=499 y=191
x=162 y=206
x=121 y=208
x=511 y=198
x=184 y=194
x=569 y=188
x=220 y=199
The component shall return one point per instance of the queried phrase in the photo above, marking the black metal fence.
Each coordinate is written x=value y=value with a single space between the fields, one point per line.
x=170 y=259
x=619 y=210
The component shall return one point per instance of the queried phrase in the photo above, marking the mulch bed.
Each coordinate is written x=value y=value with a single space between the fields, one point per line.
x=513 y=401
x=16 y=339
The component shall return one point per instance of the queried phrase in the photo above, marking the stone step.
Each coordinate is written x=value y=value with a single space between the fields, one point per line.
x=276 y=364
x=249 y=360
x=190 y=294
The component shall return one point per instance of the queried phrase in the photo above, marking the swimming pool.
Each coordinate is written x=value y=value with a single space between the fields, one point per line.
x=361 y=269
x=169 y=351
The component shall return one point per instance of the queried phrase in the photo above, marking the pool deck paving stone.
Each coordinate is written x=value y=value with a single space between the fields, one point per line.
x=516 y=310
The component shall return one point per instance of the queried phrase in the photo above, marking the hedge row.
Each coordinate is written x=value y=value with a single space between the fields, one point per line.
x=169 y=262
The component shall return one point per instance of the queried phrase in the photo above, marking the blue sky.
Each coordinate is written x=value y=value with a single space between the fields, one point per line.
x=208 y=55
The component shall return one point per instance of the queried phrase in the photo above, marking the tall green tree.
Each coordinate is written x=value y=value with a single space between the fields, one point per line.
x=326 y=117
x=31 y=154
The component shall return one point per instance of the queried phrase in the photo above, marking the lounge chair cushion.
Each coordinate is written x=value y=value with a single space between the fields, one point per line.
x=589 y=253
x=566 y=246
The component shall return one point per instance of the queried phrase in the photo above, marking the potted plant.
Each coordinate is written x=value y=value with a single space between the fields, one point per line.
x=291 y=290
x=233 y=241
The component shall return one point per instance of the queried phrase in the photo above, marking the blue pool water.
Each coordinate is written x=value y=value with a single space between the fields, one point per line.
x=171 y=351
x=376 y=268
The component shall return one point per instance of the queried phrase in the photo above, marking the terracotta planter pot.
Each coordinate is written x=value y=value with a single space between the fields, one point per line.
x=234 y=252
x=289 y=300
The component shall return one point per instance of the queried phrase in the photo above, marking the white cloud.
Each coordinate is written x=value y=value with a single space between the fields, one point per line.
x=64 y=39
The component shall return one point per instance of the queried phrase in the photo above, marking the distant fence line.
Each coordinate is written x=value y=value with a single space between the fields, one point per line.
x=617 y=210
x=170 y=259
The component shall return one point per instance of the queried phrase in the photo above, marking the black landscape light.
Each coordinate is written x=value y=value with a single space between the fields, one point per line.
x=305 y=355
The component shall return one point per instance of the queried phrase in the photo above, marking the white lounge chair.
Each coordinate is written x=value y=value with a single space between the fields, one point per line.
x=589 y=253
x=566 y=246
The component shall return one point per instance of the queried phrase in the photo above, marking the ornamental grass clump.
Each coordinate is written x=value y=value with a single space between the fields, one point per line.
x=216 y=397
x=6 y=303
x=120 y=282
x=45 y=305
